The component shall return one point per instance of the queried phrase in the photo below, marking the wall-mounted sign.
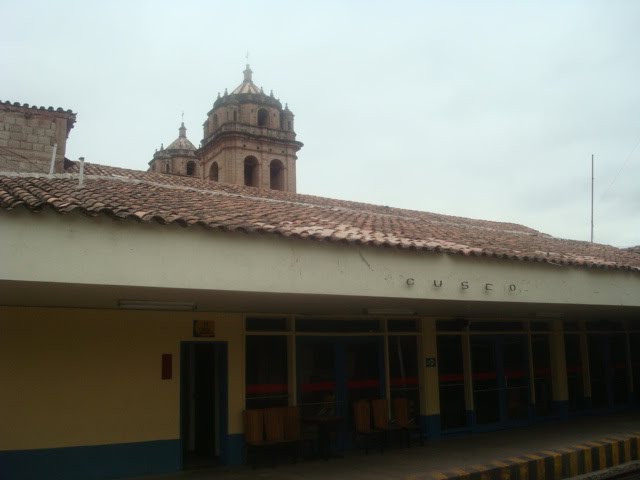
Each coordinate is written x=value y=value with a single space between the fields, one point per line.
x=167 y=364
x=204 y=328
x=430 y=362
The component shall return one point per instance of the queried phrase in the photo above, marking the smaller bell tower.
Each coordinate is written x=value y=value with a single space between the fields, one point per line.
x=249 y=139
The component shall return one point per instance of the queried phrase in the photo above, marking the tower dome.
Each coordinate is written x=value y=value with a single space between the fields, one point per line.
x=179 y=158
x=249 y=139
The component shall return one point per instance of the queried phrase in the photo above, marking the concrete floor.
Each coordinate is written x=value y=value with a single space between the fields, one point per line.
x=435 y=456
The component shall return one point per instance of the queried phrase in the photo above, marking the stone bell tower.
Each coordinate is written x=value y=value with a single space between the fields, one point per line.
x=249 y=139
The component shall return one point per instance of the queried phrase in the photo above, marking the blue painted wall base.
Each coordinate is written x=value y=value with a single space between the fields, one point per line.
x=561 y=409
x=234 y=451
x=431 y=425
x=100 y=462
x=470 y=417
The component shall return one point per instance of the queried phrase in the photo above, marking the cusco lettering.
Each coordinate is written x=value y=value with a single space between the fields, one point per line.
x=466 y=285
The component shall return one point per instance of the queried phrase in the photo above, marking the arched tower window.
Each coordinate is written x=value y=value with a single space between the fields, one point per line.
x=213 y=172
x=191 y=168
x=215 y=121
x=276 y=171
x=235 y=115
x=263 y=118
x=251 y=172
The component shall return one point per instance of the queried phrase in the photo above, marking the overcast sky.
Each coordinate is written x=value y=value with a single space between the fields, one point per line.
x=481 y=109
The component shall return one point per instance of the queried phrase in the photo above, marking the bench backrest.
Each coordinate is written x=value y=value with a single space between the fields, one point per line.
x=401 y=411
x=292 y=429
x=362 y=416
x=253 y=426
x=274 y=424
x=380 y=408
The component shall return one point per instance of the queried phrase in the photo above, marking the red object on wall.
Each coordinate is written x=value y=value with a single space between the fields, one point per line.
x=167 y=363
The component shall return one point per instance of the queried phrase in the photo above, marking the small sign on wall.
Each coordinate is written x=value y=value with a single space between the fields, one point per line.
x=430 y=362
x=167 y=364
x=204 y=328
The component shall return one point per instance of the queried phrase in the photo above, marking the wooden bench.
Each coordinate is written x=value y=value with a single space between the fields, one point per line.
x=380 y=411
x=404 y=421
x=271 y=429
x=362 y=424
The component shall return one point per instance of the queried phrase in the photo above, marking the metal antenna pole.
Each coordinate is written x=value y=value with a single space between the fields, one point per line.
x=592 y=198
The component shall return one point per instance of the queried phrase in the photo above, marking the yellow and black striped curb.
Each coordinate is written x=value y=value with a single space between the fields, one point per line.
x=556 y=464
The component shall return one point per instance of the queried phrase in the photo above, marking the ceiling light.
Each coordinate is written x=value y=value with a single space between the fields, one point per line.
x=153 y=305
x=389 y=311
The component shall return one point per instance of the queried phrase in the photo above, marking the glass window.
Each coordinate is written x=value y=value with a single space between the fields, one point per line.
x=403 y=370
x=488 y=326
x=266 y=324
x=542 y=374
x=574 y=371
x=402 y=326
x=634 y=340
x=335 y=325
x=266 y=371
x=451 y=374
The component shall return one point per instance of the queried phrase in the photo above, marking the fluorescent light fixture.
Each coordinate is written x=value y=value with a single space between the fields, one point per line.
x=389 y=311
x=153 y=305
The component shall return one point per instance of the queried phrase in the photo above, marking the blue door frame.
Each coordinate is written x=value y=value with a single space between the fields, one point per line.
x=504 y=374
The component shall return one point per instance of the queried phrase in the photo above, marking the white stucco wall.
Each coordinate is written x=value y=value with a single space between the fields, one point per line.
x=48 y=247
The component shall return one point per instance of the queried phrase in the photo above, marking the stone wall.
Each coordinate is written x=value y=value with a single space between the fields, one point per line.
x=28 y=134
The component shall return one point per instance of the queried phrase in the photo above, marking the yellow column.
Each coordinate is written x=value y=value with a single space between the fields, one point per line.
x=428 y=367
x=559 y=367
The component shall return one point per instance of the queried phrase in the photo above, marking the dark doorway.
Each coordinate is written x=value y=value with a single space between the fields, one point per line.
x=202 y=410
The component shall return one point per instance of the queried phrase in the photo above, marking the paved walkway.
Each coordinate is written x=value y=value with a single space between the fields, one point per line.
x=444 y=455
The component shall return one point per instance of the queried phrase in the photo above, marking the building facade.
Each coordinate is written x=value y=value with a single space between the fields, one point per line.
x=141 y=313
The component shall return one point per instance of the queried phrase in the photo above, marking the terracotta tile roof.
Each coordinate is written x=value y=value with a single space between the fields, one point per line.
x=187 y=201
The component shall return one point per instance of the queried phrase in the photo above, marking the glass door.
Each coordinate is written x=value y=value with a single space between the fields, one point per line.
x=335 y=372
x=515 y=370
x=608 y=367
x=500 y=369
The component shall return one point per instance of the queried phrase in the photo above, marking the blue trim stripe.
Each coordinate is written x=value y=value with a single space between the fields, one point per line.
x=234 y=449
x=100 y=462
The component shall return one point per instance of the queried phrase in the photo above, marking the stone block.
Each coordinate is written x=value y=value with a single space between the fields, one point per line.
x=38 y=147
x=14 y=128
x=44 y=140
x=21 y=121
x=5 y=135
x=9 y=119
x=26 y=129
x=32 y=138
x=4 y=142
x=15 y=136
x=25 y=146
x=14 y=143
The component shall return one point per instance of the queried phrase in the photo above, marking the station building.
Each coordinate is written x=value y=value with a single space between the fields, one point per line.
x=142 y=312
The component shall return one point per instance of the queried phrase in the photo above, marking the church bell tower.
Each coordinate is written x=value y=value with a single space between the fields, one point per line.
x=249 y=139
